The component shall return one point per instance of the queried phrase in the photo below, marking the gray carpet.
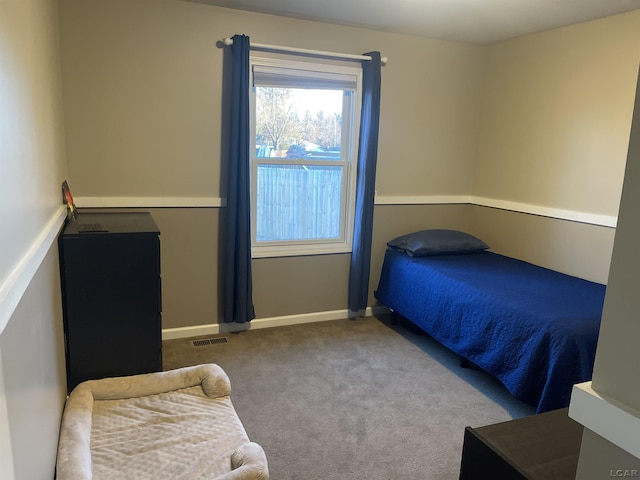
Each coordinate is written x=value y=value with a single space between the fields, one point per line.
x=352 y=399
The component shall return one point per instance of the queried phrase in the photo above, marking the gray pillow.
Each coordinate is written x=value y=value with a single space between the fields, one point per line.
x=437 y=242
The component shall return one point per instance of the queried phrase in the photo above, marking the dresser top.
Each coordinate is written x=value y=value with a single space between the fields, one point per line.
x=111 y=223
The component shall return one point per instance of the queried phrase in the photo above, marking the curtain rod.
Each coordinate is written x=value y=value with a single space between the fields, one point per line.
x=319 y=53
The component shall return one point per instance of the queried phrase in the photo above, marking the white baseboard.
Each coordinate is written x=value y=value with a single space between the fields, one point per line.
x=608 y=418
x=215 y=328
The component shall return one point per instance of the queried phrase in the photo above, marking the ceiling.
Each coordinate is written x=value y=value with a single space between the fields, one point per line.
x=470 y=21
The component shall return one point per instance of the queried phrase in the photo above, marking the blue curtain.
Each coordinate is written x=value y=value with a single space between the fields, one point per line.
x=365 y=186
x=237 y=301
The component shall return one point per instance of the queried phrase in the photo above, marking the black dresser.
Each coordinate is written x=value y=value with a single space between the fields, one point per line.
x=544 y=446
x=111 y=295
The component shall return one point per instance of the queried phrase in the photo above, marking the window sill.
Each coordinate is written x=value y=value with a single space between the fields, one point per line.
x=299 y=251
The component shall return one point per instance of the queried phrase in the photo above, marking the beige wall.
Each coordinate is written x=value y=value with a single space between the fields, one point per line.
x=617 y=356
x=542 y=120
x=556 y=114
x=600 y=459
x=32 y=168
x=616 y=367
x=143 y=89
x=553 y=133
x=574 y=248
x=143 y=97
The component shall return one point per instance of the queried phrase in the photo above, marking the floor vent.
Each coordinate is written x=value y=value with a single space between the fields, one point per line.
x=202 y=342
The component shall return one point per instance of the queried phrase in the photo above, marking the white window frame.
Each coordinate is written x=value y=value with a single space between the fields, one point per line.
x=349 y=151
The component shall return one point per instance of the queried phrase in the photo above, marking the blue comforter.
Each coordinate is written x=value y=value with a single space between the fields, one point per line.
x=533 y=328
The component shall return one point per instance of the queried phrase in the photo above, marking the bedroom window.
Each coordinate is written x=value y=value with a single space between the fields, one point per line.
x=305 y=119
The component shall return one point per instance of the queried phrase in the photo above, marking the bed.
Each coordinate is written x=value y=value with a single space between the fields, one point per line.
x=533 y=328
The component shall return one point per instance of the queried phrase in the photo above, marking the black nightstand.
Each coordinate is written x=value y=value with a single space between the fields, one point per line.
x=543 y=446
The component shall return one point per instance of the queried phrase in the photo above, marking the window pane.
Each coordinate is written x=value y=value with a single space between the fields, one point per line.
x=304 y=129
x=298 y=202
x=298 y=123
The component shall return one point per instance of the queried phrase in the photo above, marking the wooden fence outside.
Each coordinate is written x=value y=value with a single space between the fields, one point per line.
x=296 y=202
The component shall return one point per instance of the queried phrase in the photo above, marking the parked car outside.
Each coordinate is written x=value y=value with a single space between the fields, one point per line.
x=312 y=151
